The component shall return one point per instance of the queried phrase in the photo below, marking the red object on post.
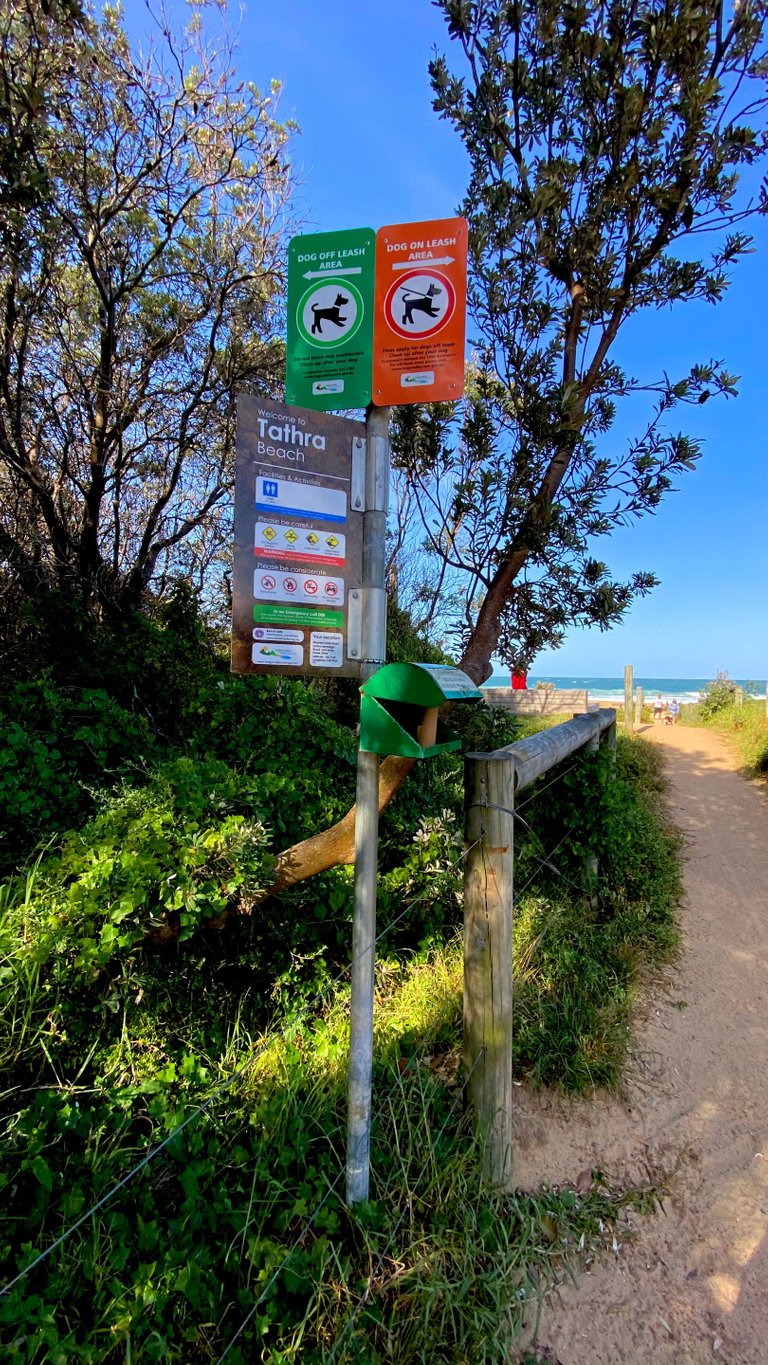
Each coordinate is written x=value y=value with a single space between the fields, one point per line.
x=519 y=682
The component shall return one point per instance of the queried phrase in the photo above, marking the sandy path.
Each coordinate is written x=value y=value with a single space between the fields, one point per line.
x=693 y=1287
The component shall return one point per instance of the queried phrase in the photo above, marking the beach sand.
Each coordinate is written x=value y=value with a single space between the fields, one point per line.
x=689 y=1285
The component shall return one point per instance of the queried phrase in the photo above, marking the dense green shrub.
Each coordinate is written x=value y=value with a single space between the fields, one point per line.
x=107 y=1043
x=176 y=851
x=57 y=748
x=149 y=663
x=86 y=705
x=718 y=695
x=163 y=786
x=126 y=698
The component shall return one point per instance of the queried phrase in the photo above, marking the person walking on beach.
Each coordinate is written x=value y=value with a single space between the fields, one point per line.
x=674 y=710
x=658 y=708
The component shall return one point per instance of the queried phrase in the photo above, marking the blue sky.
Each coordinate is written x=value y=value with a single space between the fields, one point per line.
x=370 y=152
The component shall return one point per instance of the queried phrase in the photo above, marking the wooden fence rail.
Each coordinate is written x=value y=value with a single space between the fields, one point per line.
x=491 y=784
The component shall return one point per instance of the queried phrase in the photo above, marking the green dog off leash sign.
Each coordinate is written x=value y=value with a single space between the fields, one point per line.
x=330 y=319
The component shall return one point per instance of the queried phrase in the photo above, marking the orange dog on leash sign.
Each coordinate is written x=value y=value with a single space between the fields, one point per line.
x=420 y=306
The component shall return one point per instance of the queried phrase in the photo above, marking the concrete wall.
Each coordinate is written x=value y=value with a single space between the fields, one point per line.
x=543 y=700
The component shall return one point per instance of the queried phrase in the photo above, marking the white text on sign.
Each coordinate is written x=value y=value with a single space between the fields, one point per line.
x=300 y=499
x=421 y=246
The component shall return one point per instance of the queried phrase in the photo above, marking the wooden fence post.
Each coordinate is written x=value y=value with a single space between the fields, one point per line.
x=738 y=695
x=628 y=680
x=638 y=708
x=488 y=914
x=591 y=865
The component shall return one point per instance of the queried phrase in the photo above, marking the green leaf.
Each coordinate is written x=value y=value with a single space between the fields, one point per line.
x=42 y=1172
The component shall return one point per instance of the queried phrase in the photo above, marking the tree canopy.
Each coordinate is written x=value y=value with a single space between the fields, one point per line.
x=613 y=149
x=614 y=152
x=141 y=220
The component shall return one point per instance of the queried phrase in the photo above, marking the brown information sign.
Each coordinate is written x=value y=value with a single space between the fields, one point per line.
x=420 y=306
x=299 y=497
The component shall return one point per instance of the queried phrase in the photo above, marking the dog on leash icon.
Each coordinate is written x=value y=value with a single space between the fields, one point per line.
x=420 y=304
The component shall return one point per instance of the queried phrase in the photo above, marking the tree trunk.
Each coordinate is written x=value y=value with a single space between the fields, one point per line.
x=336 y=845
x=331 y=848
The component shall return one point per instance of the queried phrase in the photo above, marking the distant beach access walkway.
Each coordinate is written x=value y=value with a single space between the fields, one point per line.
x=692 y=1288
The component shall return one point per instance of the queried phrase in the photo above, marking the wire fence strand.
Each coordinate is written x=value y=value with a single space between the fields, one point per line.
x=545 y=862
x=552 y=782
x=276 y=1272
x=366 y=1294
x=200 y=1109
x=519 y=895
x=386 y=1101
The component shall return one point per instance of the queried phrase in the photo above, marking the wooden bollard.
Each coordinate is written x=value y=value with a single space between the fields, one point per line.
x=488 y=915
x=638 y=708
x=628 y=683
x=591 y=865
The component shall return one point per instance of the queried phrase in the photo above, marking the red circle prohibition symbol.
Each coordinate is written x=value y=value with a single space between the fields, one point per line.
x=331 y=590
x=396 y=308
x=268 y=583
x=289 y=584
x=310 y=586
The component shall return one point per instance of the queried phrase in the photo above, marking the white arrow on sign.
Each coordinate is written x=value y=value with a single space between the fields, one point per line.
x=329 y=274
x=433 y=260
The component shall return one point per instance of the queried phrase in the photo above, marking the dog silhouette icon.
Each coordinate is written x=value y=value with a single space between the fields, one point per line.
x=332 y=314
x=415 y=301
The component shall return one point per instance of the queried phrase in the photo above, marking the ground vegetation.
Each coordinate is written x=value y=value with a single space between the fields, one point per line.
x=743 y=721
x=166 y=795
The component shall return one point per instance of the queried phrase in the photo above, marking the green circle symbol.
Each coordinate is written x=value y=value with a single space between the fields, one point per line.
x=329 y=314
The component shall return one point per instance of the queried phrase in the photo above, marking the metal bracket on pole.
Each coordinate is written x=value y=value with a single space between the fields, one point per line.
x=357 y=489
x=377 y=465
x=374 y=627
x=374 y=541
x=355 y=623
x=367 y=628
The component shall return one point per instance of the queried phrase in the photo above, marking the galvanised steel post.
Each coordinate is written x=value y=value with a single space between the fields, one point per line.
x=367 y=813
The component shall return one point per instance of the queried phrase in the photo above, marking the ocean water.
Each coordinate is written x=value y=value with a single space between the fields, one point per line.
x=612 y=689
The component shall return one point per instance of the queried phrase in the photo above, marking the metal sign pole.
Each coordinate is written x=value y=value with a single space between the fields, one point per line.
x=367 y=813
